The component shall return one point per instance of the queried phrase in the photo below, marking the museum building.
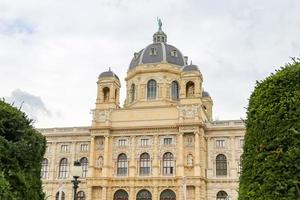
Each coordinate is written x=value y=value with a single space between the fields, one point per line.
x=161 y=145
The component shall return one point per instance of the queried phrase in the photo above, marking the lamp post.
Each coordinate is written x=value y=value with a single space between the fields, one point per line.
x=76 y=173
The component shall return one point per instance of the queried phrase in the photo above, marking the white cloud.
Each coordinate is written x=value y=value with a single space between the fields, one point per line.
x=60 y=47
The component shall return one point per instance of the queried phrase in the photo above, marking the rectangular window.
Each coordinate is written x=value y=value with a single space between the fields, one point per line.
x=241 y=143
x=144 y=142
x=84 y=147
x=167 y=141
x=48 y=148
x=122 y=143
x=220 y=143
x=64 y=148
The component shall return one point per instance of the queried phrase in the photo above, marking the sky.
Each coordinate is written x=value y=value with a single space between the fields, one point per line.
x=52 y=51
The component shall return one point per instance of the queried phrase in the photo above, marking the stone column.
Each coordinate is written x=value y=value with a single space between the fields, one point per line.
x=92 y=157
x=180 y=152
x=105 y=157
x=103 y=193
x=155 y=166
x=197 y=169
x=132 y=165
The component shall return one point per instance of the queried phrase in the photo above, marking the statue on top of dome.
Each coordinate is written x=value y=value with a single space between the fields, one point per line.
x=159 y=24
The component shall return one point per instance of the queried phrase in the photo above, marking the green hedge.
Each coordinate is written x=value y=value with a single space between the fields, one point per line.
x=21 y=152
x=271 y=158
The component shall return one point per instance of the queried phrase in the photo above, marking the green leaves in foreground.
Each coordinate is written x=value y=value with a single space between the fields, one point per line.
x=21 y=152
x=271 y=159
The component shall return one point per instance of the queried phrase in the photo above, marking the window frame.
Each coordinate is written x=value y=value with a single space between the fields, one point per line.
x=85 y=166
x=63 y=168
x=122 y=165
x=221 y=165
x=151 y=89
x=168 y=164
x=145 y=164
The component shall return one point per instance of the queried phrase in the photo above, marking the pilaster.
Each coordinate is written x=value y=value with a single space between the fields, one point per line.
x=105 y=157
x=180 y=165
x=92 y=157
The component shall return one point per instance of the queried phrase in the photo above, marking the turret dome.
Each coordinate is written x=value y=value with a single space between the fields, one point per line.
x=108 y=73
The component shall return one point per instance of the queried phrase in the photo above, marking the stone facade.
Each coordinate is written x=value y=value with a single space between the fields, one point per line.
x=162 y=144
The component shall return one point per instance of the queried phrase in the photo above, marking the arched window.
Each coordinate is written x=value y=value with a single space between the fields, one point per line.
x=121 y=195
x=61 y=197
x=145 y=164
x=122 y=165
x=221 y=165
x=168 y=163
x=80 y=195
x=132 y=93
x=143 y=195
x=106 y=94
x=63 y=168
x=44 y=169
x=85 y=165
x=151 y=89
x=167 y=195
x=190 y=89
x=222 y=195
x=175 y=90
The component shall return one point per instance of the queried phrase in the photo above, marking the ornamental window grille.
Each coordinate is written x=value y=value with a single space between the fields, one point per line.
x=63 y=168
x=144 y=195
x=168 y=163
x=44 y=169
x=122 y=165
x=167 y=195
x=221 y=195
x=80 y=195
x=221 y=165
x=85 y=165
x=61 y=196
x=175 y=90
x=121 y=195
x=151 y=89
x=145 y=164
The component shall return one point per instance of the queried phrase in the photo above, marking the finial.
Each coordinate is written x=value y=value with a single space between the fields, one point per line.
x=159 y=23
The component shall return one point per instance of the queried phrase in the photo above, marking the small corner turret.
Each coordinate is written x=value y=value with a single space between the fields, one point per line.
x=108 y=91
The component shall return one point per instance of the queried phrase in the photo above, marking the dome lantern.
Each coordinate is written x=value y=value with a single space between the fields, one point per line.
x=159 y=36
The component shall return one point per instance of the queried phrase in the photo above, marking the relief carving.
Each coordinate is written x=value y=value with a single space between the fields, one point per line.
x=186 y=112
x=101 y=115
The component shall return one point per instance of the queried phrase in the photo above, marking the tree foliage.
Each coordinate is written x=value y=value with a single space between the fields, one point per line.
x=271 y=158
x=21 y=152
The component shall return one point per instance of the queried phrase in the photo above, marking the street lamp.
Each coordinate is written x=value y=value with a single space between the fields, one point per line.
x=76 y=172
